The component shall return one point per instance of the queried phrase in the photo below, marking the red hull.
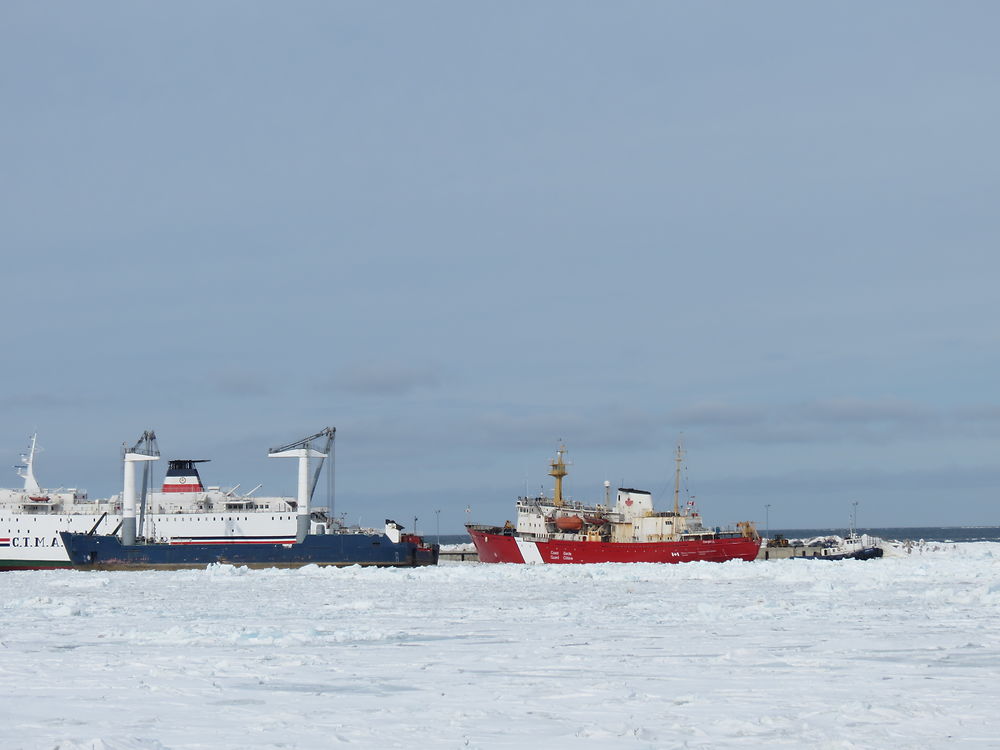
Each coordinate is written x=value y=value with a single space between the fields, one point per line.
x=504 y=548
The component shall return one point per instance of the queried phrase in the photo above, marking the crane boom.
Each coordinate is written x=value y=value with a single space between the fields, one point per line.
x=146 y=445
x=329 y=433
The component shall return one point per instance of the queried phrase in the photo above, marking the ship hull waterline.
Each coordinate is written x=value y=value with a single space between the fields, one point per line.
x=91 y=552
x=12 y=565
x=511 y=548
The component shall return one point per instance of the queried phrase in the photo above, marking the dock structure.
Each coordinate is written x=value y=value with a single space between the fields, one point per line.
x=458 y=555
x=784 y=553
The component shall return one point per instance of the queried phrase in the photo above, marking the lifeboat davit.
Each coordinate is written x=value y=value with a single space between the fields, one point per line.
x=569 y=523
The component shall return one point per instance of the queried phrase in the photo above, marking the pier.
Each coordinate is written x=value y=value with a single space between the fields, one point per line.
x=784 y=553
x=459 y=556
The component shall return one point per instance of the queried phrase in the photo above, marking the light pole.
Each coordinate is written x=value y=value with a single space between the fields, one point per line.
x=854 y=518
x=437 y=525
x=767 y=521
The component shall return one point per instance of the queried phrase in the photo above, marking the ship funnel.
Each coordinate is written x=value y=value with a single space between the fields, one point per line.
x=182 y=475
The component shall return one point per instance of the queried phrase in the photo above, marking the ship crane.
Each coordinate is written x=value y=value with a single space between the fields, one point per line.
x=145 y=446
x=144 y=450
x=303 y=450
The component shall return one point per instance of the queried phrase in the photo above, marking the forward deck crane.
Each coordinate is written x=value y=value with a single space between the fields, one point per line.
x=304 y=451
x=145 y=446
x=144 y=451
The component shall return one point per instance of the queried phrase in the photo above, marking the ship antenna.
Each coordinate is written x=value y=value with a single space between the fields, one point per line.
x=558 y=471
x=677 y=484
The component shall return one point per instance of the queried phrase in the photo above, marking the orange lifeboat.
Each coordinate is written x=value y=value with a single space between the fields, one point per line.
x=569 y=523
x=595 y=520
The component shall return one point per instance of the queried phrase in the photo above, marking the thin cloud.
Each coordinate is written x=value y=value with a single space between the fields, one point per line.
x=717 y=413
x=612 y=428
x=39 y=401
x=864 y=410
x=383 y=379
x=825 y=420
x=243 y=385
x=946 y=480
x=981 y=413
x=505 y=429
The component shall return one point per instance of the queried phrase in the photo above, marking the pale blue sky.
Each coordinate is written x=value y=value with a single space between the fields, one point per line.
x=461 y=231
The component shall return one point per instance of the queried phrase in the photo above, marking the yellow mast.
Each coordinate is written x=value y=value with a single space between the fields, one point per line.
x=558 y=470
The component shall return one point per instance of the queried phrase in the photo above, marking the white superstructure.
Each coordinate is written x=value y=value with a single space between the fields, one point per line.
x=632 y=518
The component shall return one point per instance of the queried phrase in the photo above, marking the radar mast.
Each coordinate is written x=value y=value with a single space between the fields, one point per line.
x=558 y=471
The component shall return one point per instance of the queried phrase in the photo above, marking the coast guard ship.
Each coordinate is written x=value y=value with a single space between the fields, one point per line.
x=557 y=530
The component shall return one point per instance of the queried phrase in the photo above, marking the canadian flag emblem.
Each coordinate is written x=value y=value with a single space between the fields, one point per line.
x=628 y=502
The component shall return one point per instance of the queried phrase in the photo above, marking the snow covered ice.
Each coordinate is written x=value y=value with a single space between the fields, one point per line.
x=901 y=652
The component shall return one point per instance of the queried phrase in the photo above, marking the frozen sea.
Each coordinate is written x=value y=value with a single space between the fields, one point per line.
x=902 y=652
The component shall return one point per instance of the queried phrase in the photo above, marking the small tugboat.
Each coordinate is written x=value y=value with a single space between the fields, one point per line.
x=854 y=547
x=557 y=530
x=325 y=543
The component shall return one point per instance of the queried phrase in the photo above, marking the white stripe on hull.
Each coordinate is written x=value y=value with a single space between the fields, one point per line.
x=529 y=551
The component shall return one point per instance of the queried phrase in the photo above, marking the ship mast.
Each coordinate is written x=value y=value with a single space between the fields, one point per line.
x=558 y=471
x=677 y=488
x=26 y=469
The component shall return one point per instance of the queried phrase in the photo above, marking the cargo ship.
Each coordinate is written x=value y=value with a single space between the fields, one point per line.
x=311 y=544
x=342 y=547
x=560 y=531
x=183 y=510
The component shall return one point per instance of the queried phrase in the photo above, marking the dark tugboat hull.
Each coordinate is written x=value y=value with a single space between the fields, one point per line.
x=868 y=553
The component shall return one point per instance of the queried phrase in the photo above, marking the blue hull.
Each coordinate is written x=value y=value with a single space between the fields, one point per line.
x=93 y=552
